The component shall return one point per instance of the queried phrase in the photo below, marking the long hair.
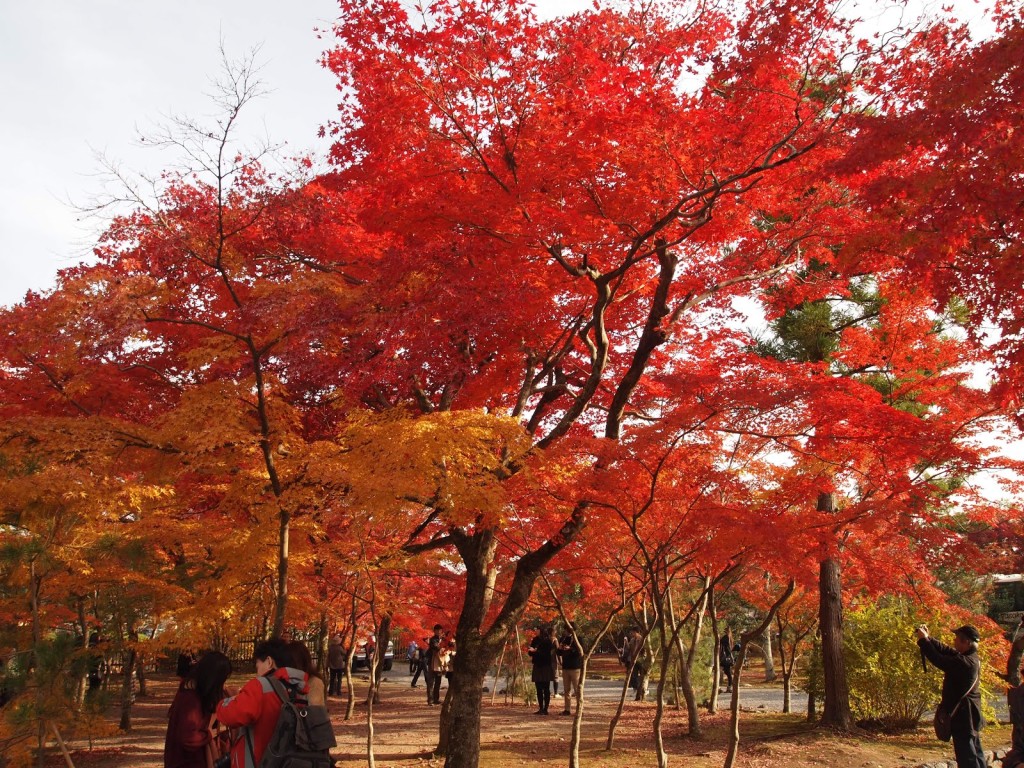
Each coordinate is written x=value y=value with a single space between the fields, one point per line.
x=303 y=658
x=208 y=678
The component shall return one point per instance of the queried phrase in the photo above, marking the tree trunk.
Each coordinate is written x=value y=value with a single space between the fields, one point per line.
x=383 y=638
x=322 y=640
x=716 y=670
x=37 y=638
x=127 y=689
x=140 y=674
x=1013 y=662
x=836 y=712
x=734 y=731
x=787 y=673
x=462 y=702
x=476 y=649
x=82 y=675
x=659 y=701
x=766 y=654
x=686 y=669
x=281 y=607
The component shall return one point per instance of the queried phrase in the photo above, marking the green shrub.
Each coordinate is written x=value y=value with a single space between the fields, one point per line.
x=888 y=684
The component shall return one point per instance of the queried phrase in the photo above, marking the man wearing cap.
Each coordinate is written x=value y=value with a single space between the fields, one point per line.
x=961 y=689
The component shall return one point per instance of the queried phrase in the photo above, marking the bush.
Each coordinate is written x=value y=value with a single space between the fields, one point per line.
x=888 y=685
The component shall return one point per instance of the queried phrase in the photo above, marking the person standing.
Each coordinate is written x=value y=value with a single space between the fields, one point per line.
x=432 y=666
x=961 y=690
x=541 y=650
x=571 y=657
x=726 y=659
x=556 y=661
x=632 y=656
x=335 y=665
x=412 y=656
x=191 y=724
x=303 y=659
x=255 y=708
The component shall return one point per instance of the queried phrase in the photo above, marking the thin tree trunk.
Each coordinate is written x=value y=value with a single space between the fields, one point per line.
x=127 y=689
x=83 y=674
x=281 y=607
x=610 y=743
x=836 y=712
x=37 y=638
x=787 y=672
x=140 y=674
x=370 y=760
x=383 y=638
x=716 y=670
x=745 y=638
x=322 y=641
x=659 y=701
x=766 y=654
x=686 y=665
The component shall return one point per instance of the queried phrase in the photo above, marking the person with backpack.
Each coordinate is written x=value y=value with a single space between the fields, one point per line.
x=265 y=712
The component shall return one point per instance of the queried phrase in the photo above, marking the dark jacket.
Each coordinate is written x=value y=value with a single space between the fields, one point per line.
x=188 y=731
x=962 y=671
x=725 y=657
x=570 y=654
x=542 y=651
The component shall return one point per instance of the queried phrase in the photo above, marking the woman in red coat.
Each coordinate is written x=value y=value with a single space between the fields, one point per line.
x=191 y=716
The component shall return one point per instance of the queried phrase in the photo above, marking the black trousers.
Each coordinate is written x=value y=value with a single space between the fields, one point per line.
x=334 y=682
x=543 y=696
x=433 y=687
x=967 y=748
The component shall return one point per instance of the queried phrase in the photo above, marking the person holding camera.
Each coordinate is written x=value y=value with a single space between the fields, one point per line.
x=961 y=690
x=571 y=656
x=192 y=738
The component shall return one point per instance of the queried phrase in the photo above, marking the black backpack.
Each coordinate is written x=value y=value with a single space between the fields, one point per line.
x=303 y=735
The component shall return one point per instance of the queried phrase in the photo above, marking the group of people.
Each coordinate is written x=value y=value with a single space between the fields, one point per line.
x=548 y=656
x=433 y=660
x=209 y=726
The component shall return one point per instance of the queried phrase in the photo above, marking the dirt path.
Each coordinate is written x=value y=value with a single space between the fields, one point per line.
x=406 y=731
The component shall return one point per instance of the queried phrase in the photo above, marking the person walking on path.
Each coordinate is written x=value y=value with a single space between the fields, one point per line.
x=418 y=665
x=541 y=650
x=961 y=690
x=572 y=666
x=725 y=659
x=335 y=665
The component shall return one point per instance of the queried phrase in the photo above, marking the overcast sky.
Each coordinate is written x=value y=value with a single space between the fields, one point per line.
x=80 y=78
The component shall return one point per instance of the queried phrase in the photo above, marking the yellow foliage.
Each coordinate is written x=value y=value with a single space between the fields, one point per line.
x=453 y=460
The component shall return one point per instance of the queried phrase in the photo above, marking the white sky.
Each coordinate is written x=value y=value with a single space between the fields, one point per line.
x=80 y=78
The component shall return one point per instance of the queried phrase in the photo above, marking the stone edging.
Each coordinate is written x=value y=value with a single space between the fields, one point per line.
x=991 y=756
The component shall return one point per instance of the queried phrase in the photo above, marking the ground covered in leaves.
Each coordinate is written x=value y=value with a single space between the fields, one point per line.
x=406 y=729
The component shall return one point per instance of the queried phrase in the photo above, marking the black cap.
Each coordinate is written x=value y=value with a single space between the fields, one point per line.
x=968 y=632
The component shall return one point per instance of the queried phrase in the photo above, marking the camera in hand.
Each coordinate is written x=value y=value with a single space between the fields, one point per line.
x=222 y=762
